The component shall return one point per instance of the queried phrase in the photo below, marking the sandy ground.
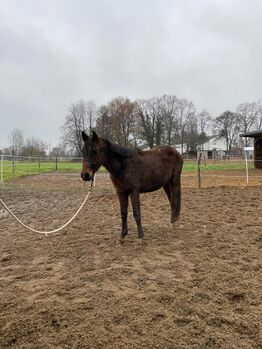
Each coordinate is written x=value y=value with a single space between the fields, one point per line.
x=197 y=287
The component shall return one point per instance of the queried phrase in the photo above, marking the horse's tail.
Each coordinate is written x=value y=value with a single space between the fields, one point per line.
x=177 y=185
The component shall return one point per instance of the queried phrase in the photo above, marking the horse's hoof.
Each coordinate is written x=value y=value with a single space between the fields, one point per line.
x=172 y=226
x=140 y=241
x=176 y=225
x=121 y=240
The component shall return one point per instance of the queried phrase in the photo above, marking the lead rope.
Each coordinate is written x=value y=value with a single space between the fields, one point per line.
x=55 y=230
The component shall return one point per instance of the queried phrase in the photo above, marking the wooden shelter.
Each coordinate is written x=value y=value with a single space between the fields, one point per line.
x=257 y=135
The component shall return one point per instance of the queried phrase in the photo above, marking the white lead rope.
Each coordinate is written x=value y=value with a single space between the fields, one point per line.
x=50 y=231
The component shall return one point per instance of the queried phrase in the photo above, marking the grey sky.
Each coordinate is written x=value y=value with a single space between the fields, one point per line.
x=54 y=52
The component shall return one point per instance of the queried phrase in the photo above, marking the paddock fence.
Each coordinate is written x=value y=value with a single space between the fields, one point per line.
x=17 y=166
x=197 y=173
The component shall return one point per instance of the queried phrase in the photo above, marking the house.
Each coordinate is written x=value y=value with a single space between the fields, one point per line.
x=214 y=148
x=178 y=147
x=188 y=154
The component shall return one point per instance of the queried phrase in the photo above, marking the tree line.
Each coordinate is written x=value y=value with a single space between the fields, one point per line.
x=20 y=145
x=146 y=123
x=165 y=120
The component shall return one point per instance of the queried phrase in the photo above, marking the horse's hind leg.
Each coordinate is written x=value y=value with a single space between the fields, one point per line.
x=173 y=191
x=168 y=189
x=123 y=200
x=136 y=213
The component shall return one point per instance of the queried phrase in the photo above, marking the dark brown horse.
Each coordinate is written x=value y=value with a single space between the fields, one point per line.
x=134 y=171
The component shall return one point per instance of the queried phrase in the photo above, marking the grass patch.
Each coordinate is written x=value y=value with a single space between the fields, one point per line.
x=25 y=168
x=191 y=166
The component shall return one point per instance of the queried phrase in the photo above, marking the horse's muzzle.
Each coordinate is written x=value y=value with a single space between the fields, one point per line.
x=86 y=176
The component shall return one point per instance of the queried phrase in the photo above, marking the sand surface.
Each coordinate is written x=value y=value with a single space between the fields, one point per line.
x=196 y=287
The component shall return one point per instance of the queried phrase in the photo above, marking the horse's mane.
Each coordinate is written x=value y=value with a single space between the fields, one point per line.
x=122 y=151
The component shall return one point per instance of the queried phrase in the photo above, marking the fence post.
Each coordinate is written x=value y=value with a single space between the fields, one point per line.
x=2 y=168
x=198 y=168
x=56 y=162
x=39 y=168
x=13 y=162
x=247 y=176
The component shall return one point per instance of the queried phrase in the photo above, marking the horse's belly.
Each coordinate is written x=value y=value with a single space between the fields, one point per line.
x=152 y=186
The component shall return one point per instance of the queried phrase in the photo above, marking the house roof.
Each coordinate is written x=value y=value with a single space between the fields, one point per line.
x=253 y=134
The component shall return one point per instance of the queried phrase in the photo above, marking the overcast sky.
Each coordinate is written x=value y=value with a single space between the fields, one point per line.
x=54 y=52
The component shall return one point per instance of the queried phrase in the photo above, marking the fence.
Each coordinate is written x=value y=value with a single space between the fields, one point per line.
x=16 y=166
x=238 y=169
x=222 y=172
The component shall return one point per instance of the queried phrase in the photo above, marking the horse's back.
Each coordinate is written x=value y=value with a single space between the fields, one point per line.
x=162 y=152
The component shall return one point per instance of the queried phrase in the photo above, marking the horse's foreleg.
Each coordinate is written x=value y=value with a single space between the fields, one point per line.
x=123 y=200
x=137 y=213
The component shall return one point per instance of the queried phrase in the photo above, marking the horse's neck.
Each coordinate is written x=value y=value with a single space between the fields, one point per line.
x=113 y=166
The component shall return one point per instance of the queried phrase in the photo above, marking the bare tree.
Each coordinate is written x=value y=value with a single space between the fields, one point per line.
x=16 y=139
x=168 y=119
x=246 y=118
x=169 y=112
x=81 y=116
x=191 y=132
x=34 y=147
x=116 y=120
x=122 y=115
x=185 y=111
x=258 y=122
x=151 y=121
x=104 y=123
x=203 y=122
x=91 y=114
x=147 y=128
x=226 y=125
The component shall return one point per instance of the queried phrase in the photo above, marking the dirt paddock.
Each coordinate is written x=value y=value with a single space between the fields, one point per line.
x=197 y=287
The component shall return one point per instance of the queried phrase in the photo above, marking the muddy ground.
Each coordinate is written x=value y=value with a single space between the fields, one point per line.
x=197 y=287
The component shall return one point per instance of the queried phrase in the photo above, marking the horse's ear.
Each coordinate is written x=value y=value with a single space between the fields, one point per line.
x=95 y=138
x=84 y=136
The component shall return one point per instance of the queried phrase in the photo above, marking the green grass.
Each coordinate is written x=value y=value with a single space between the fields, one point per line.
x=191 y=166
x=23 y=168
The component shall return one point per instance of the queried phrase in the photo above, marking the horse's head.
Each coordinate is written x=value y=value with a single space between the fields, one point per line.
x=92 y=159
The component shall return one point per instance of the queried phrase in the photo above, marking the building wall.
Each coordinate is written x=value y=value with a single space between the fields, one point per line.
x=218 y=143
x=178 y=148
x=258 y=152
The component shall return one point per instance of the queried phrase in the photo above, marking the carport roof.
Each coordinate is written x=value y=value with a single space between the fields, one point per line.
x=252 y=134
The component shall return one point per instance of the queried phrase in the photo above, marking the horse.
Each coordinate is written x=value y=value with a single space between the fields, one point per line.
x=134 y=171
